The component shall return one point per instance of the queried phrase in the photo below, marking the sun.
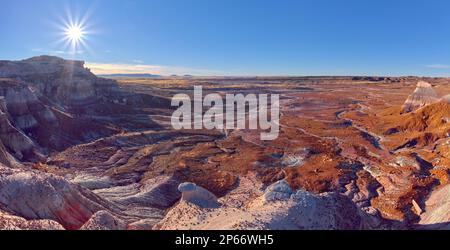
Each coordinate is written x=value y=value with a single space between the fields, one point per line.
x=74 y=33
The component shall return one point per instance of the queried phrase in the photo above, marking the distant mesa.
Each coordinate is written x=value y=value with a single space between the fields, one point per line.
x=423 y=95
x=181 y=76
x=115 y=76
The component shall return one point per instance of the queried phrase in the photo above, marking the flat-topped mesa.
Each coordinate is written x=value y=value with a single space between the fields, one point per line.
x=423 y=95
x=38 y=66
x=53 y=60
x=66 y=82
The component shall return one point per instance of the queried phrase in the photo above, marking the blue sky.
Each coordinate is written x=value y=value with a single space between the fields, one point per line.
x=238 y=37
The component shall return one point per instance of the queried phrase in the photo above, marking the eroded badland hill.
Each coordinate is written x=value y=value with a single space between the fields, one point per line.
x=82 y=152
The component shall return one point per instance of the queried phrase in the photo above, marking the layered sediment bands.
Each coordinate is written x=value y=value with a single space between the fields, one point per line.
x=160 y=192
x=6 y=158
x=22 y=117
x=423 y=95
x=19 y=144
x=34 y=196
x=23 y=106
x=38 y=98
x=63 y=81
x=37 y=196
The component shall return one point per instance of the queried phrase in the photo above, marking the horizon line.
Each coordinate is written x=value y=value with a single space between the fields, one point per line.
x=101 y=69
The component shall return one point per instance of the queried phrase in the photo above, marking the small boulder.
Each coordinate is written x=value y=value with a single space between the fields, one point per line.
x=197 y=195
x=280 y=190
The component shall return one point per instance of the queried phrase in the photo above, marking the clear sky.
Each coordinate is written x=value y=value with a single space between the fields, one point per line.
x=237 y=37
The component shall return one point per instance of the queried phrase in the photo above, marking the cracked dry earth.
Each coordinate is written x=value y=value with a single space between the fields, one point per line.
x=89 y=153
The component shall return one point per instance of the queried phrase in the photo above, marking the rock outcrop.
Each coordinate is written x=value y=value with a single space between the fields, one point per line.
x=20 y=113
x=423 y=95
x=277 y=208
x=103 y=220
x=42 y=100
x=437 y=207
x=11 y=222
x=66 y=82
x=280 y=190
x=6 y=158
x=160 y=192
x=197 y=195
x=35 y=196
